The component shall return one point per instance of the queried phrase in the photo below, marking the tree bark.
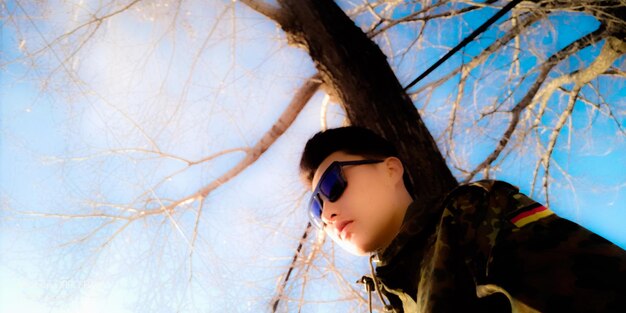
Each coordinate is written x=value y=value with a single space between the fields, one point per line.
x=356 y=73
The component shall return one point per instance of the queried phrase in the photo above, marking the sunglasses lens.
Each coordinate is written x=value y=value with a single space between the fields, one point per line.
x=332 y=184
x=315 y=212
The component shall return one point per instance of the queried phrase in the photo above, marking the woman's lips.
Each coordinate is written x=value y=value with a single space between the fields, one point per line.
x=341 y=228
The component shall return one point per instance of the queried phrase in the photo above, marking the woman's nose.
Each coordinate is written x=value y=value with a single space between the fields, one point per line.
x=330 y=211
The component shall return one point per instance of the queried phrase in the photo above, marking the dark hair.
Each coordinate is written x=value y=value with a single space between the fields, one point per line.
x=351 y=139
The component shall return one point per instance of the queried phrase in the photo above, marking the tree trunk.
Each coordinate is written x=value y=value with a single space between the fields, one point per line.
x=356 y=73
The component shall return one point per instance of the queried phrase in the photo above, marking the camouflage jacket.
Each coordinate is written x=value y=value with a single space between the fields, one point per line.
x=496 y=250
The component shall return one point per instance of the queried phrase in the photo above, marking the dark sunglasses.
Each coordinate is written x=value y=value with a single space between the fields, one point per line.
x=331 y=185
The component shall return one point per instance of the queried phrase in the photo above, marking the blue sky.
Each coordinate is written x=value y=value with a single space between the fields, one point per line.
x=65 y=141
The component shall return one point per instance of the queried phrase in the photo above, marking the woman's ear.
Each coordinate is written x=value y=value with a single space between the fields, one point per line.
x=394 y=168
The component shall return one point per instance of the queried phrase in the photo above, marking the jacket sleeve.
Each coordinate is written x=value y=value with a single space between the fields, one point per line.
x=542 y=262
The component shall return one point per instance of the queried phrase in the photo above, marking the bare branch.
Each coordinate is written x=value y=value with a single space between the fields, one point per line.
x=415 y=16
x=302 y=96
x=495 y=46
x=613 y=49
x=409 y=18
x=615 y=72
x=89 y=235
x=73 y=216
x=555 y=135
x=156 y=154
x=271 y=12
x=530 y=96
x=610 y=112
x=280 y=290
x=98 y=20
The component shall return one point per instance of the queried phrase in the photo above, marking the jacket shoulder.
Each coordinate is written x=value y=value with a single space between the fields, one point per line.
x=489 y=192
x=500 y=198
x=491 y=186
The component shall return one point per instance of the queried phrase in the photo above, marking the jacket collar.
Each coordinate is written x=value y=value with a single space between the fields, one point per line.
x=414 y=225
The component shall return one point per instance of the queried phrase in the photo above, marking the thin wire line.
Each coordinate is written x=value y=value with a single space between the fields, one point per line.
x=465 y=41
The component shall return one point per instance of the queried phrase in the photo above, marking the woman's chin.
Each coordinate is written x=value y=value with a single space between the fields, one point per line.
x=356 y=248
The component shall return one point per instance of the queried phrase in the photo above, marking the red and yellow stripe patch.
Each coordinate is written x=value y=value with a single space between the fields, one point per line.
x=530 y=214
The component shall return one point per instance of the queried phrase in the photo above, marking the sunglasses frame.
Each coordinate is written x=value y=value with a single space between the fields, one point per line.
x=315 y=215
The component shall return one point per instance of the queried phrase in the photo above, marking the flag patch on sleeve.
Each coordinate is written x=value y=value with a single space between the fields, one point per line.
x=530 y=214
